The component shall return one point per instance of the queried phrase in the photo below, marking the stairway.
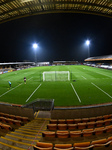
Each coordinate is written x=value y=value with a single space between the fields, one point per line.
x=24 y=137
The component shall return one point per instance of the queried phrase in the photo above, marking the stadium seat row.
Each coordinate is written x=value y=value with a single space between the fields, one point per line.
x=79 y=125
x=7 y=127
x=23 y=119
x=80 y=120
x=11 y=121
x=79 y=133
x=102 y=143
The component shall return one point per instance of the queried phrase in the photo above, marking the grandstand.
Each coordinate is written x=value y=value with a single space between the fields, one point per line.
x=36 y=126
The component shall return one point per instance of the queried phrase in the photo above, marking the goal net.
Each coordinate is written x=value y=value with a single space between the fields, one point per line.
x=56 y=76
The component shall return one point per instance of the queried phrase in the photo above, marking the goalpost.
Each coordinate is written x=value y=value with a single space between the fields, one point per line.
x=56 y=76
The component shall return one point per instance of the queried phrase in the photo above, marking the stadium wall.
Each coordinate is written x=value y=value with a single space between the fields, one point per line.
x=81 y=112
x=18 y=111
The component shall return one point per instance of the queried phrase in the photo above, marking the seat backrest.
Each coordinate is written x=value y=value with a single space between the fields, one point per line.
x=61 y=121
x=44 y=145
x=101 y=141
x=63 y=146
x=70 y=121
x=83 y=144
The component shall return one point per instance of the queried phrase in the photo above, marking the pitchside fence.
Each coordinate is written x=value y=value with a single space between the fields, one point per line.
x=40 y=104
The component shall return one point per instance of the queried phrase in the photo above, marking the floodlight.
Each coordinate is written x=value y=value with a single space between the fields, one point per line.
x=35 y=45
x=87 y=42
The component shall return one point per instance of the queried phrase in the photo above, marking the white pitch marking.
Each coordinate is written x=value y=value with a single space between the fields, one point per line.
x=84 y=77
x=101 y=90
x=75 y=92
x=103 y=74
x=10 y=90
x=30 y=78
x=33 y=92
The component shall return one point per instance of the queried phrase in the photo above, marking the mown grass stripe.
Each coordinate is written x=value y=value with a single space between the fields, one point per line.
x=14 y=147
x=18 y=137
x=15 y=141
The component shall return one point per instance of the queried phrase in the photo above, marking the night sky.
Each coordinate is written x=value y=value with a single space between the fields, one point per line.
x=59 y=37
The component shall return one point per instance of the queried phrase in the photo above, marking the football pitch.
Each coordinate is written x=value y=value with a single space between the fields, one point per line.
x=87 y=86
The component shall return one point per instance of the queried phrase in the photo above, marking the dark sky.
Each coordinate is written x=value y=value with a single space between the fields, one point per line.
x=59 y=36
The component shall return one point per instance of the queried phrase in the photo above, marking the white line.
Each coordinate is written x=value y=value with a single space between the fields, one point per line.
x=75 y=92
x=103 y=74
x=33 y=92
x=84 y=77
x=30 y=78
x=10 y=90
x=102 y=90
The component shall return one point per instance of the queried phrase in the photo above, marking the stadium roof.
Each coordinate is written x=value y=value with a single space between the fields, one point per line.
x=99 y=58
x=14 y=9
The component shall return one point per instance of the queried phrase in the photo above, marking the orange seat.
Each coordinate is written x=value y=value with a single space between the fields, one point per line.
x=110 y=116
x=75 y=133
x=82 y=145
x=91 y=124
x=25 y=119
x=52 y=126
x=82 y=126
x=98 y=118
x=85 y=120
x=63 y=146
x=7 y=127
x=72 y=126
x=3 y=119
x=109 y=140
x=53 y=121
x=12 y=116
x=77 y=121
x=87 y=132
x=99 y=123
x=18 y=118
x=108 y=128
x=48 y=134
x=107 y=122
x=43 y=146
x=91 y=119
x=61 y=121
x=62 y=134
x=106 y=117
x=97 y=142
x=99 y=130
x=70 y=121
x=62 y=126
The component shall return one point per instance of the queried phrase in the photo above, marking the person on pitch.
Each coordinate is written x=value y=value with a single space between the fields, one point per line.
x=24 y=80
x=9 y=84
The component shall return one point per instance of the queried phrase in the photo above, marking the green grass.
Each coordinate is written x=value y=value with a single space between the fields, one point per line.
x=91 y=86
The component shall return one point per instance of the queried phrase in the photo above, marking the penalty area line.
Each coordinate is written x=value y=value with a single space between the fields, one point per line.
x=84 y=77
x=75 y=92
x=33 y=92
x=101 y=90
x=10 y=90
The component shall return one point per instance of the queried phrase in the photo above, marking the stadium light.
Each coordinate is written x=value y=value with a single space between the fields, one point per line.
x=35 y=46
x=88 y=43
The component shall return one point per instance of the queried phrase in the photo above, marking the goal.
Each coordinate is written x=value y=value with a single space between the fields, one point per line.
x=56 y=76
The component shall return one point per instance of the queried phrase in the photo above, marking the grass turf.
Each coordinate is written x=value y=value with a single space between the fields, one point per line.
x=91 y=86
